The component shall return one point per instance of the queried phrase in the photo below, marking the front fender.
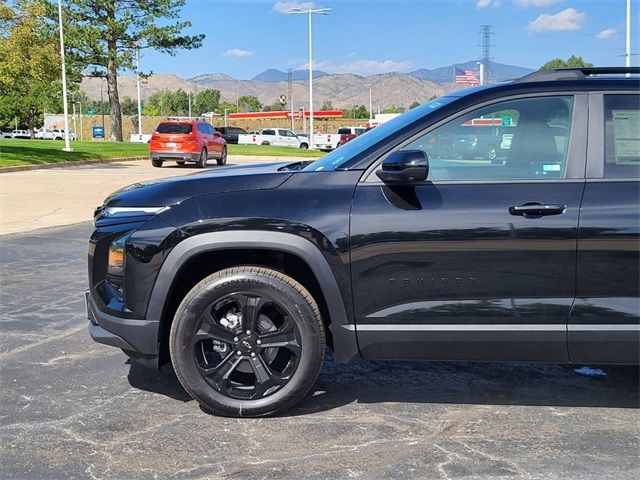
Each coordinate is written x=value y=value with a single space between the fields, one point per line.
x=344 y=335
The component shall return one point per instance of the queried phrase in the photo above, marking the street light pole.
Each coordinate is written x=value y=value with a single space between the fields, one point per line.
x=104 y=130
x=628 y=39
x=138 y=89
x=370 y=107
x=81 y=126
x=310 y=12
x=67 y=146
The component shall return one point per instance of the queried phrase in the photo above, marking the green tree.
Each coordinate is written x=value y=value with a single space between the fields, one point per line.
x=570 y=62
x=394 y=109
x=104 y=36
x=29 y=64
x=249 y=103
x=178 y=102
x=229 y=107
x=414 y=105
x=129 y=106
x=327 y=105
x=206 y=101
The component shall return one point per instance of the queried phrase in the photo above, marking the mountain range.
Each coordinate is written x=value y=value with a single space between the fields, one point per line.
x=343 y=90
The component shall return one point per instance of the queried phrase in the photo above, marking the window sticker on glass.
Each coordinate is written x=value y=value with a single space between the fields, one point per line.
x=626 y=128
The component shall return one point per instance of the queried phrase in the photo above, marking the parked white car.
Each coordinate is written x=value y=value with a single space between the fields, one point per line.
x=54 y=134
x=140 y=138
x=20 y=134
x=278 y=137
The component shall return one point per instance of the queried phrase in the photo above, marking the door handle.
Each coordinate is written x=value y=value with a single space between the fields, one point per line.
x=537 y=209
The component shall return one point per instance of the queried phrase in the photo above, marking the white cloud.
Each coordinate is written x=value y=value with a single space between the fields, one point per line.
x=567 y=19
x=238 y=53
x=361 y=67
x=285 y=7
x=606 y=33
x=537 y=3
x=487 y=3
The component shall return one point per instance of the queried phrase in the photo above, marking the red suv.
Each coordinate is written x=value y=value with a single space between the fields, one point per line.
x=187 y=141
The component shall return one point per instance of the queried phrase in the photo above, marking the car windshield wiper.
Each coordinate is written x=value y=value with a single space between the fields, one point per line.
x=292 y=167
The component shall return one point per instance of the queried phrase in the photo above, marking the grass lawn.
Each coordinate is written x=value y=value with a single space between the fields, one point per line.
x=14 y=152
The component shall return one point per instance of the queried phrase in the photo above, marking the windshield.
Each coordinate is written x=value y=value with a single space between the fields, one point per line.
x=340 y=156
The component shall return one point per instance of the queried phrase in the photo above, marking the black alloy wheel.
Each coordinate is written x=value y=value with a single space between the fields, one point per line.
x=247 y=342
x=223 y=156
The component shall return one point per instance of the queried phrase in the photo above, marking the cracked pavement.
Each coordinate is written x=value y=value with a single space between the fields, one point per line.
x=71 y=408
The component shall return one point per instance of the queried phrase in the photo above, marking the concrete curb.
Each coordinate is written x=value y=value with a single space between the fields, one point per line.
x=67 y=164
x=75 y=163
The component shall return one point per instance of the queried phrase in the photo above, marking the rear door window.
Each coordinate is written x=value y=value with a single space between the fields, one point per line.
x=621 y=136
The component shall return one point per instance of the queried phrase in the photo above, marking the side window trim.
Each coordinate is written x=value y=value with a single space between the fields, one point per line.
x=578 y=138
x=595 y=146
x=576 y=151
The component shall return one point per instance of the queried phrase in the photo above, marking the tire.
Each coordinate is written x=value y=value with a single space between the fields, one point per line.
x=156 y=163
x=304 y=146
x=180 y=162
x=202 y=160
x=223 y=157
x=265 y=143
x=238 y=376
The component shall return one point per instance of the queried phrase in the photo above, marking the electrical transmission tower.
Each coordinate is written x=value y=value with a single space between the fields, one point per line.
x=486 y=31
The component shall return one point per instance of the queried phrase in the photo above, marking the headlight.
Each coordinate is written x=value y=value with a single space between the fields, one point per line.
x=115 y=267
x=111 y=212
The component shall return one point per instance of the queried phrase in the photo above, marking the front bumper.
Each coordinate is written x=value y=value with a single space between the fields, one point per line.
x=138 y=338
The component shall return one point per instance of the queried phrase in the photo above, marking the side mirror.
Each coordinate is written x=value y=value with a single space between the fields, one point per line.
x=406 y=166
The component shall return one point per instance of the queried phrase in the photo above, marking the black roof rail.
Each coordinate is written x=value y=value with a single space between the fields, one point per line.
x=574 y=73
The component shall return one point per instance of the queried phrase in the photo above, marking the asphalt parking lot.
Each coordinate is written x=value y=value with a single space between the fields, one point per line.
x=71 y=408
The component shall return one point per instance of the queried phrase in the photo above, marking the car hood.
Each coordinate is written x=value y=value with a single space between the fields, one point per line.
x=173 y=190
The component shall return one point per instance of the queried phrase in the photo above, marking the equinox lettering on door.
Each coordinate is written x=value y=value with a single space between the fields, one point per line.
x=434 y=281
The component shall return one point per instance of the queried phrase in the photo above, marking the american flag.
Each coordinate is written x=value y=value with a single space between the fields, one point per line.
x=466 y=77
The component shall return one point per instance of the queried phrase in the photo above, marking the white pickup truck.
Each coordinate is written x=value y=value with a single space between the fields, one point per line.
x=55 y=134
x=329 y=141
x=278 y=137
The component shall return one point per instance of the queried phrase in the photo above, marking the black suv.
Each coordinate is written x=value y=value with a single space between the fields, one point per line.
x=230 y=134
x=241 y=276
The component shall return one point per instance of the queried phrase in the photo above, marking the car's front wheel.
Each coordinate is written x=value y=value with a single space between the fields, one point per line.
x=247 y=342
x=156 y=163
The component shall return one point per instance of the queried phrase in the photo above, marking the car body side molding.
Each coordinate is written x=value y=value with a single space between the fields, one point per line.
x=344 y=338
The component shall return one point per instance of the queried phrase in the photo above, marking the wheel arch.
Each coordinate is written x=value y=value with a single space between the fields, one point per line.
x=198 y=256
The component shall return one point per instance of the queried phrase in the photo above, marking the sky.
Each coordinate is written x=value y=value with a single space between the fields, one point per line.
x=246 y=37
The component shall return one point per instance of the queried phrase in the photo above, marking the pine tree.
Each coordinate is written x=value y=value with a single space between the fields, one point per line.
x=104 y=35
